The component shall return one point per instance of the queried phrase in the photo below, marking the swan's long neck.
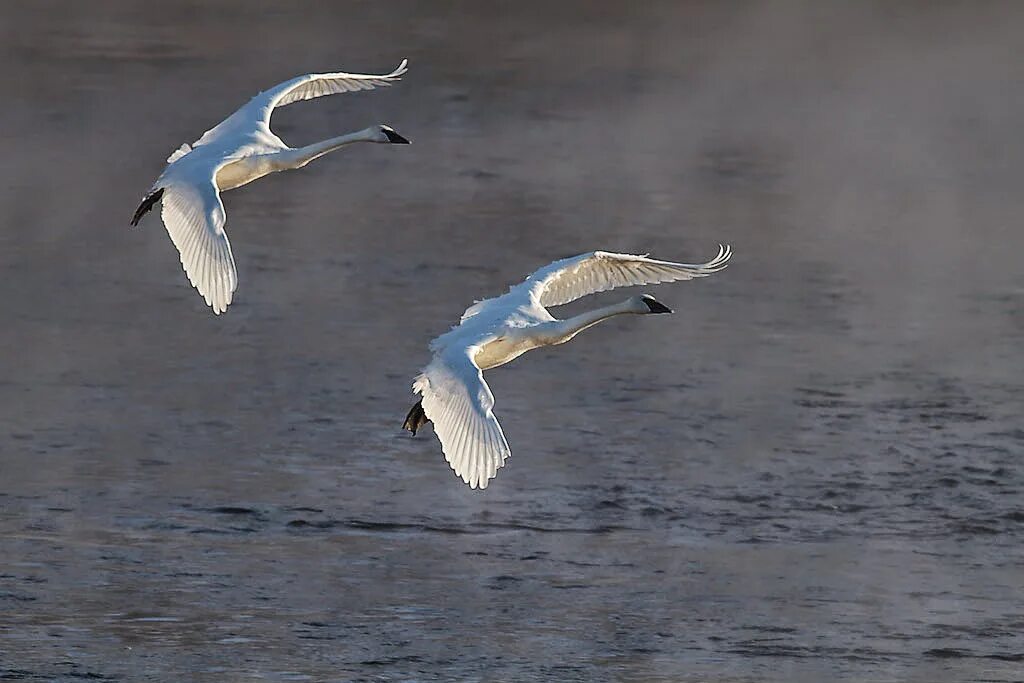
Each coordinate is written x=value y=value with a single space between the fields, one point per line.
x=247 y=169
x=297 y=158
x=562 y=331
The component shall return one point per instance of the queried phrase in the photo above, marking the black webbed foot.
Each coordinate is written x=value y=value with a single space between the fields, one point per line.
x=416 y=418
x=147 y=205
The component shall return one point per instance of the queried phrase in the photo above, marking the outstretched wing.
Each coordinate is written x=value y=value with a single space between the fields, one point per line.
x=317 y=85
x=194 y=217
x=458 y=401
x=256 y=112
x=573 y=278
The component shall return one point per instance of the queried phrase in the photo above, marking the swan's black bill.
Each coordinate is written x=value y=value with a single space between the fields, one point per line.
x=393 y=137
x=147 y=205
x=654 y=305
x=415 y=419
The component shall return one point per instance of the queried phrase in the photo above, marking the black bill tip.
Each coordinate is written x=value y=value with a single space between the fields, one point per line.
x=654 y=305
x=393 y=136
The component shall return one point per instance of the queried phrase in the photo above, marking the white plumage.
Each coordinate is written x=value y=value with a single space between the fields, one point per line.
x=233 y=153
x=495 y=331
x=194 y=216
x=459 y=403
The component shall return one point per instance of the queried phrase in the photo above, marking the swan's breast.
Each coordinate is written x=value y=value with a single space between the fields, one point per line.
x=243 y=171
x=503 y=349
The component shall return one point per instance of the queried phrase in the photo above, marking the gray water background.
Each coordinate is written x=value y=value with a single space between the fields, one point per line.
x=811 y=472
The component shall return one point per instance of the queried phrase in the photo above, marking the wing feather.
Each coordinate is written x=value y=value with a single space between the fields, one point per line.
x=459 y=403
x=311 y=86
x=194 y=217
x=179 y=153
x=256 y=112
x=598 y=271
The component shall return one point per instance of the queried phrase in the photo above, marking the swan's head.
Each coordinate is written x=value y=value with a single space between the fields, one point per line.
x=387 y=135
x=648 y=305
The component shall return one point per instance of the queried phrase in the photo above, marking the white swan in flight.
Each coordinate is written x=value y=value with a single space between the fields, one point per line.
x=237 y=151
x=495 y=331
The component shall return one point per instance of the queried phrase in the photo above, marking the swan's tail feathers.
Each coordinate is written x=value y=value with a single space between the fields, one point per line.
x=147 y=205
x=415 y=419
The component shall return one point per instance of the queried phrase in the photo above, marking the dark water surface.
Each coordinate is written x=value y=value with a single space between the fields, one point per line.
x=812 y=472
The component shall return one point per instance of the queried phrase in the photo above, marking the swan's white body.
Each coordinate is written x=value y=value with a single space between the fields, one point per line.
x=235 y=152
x=495 y=331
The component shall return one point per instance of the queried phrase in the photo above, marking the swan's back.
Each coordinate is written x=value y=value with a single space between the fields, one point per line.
x=485 y=319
